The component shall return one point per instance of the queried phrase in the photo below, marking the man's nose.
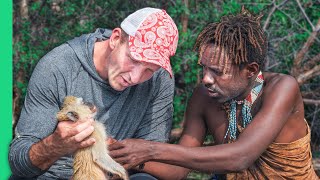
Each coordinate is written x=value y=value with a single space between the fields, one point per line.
x=136 y=74
x=207 y=79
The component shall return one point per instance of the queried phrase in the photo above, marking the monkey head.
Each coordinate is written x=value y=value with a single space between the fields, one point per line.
x=75 y=108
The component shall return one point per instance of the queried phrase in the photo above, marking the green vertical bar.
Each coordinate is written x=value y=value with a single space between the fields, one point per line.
x=5 y=85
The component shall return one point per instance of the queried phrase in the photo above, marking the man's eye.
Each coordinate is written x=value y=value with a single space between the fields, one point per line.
x=150 y=70
x=135 y=61
x=217 y=72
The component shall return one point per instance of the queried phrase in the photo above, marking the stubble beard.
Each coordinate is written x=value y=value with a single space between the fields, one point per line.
x=234 y=92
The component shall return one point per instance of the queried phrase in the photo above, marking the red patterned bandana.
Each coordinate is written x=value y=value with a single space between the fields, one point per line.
x=155 y=40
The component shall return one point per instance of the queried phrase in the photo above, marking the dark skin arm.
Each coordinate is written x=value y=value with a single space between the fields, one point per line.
x=138 y=151
x=277 y=107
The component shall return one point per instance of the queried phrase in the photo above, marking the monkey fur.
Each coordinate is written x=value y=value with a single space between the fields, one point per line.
x=94 y=162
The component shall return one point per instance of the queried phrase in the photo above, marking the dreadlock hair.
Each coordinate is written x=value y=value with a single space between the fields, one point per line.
x=240 y=36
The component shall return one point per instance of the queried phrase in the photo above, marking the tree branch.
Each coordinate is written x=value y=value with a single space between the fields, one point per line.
x=311 y=101
x=307 y=45
x=308 y=75
x=312 y=62
x=297 y=61
x=24 y=11
x=266 y=23
x=185 y=16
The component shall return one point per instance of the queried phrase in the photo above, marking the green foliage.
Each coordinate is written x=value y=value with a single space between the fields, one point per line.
x=51 y=24
x=194 y=175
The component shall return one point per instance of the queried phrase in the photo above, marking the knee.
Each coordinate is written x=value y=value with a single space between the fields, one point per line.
x=142 y=176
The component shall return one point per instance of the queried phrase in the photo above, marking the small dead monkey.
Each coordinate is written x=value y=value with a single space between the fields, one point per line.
x=94 y=162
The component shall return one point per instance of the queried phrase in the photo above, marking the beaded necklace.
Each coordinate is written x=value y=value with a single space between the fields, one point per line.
x=231 y=109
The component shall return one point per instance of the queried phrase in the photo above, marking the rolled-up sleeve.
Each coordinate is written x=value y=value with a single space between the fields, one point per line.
x=19 y=159
x=37 y=119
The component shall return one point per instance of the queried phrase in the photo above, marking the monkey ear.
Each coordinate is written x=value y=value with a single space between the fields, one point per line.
x=91 y=106
x=73 y=116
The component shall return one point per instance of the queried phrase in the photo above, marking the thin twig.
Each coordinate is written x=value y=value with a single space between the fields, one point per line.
x=269 y=16
x=314 y=119
x=280 y=39
x=85 y=9
x=273 y=65
x=271 y=12
x=295 y=22
x=305 y=15
x=312 y=62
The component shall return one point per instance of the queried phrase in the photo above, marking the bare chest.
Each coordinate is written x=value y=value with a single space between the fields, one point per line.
x=217 y=122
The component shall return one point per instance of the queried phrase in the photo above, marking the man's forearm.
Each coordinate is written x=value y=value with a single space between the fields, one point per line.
x=220 y=158
x=165 y=171
x=42 y=154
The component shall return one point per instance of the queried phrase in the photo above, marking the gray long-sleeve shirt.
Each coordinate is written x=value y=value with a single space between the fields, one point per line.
x=141 y=111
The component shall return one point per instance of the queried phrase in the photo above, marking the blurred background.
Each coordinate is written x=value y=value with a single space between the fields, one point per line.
x=292 y=27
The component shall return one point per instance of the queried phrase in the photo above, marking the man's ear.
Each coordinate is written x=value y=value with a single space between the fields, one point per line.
x=115 y=38
x=252 y=69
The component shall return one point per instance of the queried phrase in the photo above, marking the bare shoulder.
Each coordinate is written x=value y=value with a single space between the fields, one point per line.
x=281 y=95
x=280 y=84
x=278 y=78
x=283 y=101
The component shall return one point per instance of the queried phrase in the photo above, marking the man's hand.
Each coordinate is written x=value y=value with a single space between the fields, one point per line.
x=131 y=152
x=66 y=139
x=110 y=141
x=70 y=136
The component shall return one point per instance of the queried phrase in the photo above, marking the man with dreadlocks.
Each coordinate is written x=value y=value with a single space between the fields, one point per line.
x=256 y=118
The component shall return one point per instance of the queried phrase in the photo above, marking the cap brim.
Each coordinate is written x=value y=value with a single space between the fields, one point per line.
x=166 y=66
